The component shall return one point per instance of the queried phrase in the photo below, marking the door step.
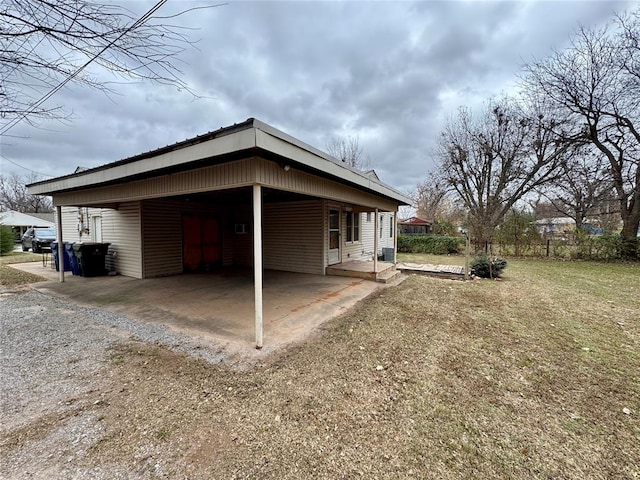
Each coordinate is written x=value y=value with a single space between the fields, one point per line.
x=388 y=275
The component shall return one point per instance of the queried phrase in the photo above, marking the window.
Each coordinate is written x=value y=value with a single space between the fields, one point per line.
x=368 y=216
x=391 y=226
x=381 y=224
x=353 y=227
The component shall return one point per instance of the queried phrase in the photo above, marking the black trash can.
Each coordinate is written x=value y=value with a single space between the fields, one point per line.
x=66 y=263
x=91 y=258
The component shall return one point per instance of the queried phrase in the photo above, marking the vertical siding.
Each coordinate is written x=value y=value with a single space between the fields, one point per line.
x=121 y=228
x=292 y=236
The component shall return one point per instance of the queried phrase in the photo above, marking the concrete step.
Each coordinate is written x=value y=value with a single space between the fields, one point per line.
x=388 y=275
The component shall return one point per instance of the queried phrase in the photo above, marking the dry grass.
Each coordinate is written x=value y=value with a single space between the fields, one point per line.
x=521 y=378
x=11 y=276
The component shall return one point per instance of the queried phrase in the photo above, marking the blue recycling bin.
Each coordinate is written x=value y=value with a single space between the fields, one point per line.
x=66 y=264
x=73 y=260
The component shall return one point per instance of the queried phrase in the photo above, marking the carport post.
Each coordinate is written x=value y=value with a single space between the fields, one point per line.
x=257 y=260
x=376 y=233
x=60 y=246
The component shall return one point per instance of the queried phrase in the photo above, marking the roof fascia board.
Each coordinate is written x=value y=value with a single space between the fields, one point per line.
x=286 y=146
x=226 y=144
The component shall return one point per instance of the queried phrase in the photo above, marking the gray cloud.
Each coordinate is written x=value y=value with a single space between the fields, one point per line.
x=388 y=72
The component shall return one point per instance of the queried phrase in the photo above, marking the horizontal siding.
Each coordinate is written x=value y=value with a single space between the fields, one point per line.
x=162 y=238
x=162 y=233
x=121 y=228
x=69 y=224
x=292 y=236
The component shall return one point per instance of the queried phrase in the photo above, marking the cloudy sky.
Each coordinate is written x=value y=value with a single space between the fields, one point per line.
x=388 y=73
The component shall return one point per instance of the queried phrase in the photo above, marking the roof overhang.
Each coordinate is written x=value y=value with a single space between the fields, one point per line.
x=251 y=137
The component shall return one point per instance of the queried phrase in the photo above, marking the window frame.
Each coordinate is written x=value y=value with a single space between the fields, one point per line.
x=353 y=227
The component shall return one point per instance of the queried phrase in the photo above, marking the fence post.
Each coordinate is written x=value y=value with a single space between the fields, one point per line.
x=548 y=242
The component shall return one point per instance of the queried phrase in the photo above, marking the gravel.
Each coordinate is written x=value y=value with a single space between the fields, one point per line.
x=51 y=352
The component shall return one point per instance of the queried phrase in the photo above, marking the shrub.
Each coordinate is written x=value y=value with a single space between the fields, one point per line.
x=7 y=240
x=482 y=267
x=431 y=244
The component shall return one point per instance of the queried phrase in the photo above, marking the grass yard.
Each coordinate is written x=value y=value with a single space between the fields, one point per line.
x=533 y=376
x=11 y=276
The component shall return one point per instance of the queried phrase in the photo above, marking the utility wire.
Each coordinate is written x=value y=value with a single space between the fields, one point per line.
x=47 y=96
x=22 y=166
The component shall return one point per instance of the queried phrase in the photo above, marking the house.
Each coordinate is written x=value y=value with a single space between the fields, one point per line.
x=21 y=222
x=414 y=226
x=245 y=195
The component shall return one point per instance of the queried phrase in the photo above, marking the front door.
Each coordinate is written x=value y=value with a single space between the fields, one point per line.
x=334 y=236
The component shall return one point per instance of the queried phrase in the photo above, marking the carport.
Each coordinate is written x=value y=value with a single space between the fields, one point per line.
x=213 y=307
x=243 y=196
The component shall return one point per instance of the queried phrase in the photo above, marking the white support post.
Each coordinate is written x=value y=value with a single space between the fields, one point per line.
x=61 y=252
x=376 y=234
x=395 y=237
x=257 y=261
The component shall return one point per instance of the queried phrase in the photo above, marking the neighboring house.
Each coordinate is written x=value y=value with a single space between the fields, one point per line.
x=555 y=227
x=246 y=195
x=414 y=226
x=560 y=227
x=21 y=222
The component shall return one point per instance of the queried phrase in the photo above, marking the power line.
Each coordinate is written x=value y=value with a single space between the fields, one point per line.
x=25 y=168
x=47 y=96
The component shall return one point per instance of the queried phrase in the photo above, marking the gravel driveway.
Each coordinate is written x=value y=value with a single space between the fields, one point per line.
x=51 y=352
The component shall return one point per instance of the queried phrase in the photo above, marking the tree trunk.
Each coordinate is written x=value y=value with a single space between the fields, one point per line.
x=629 y=234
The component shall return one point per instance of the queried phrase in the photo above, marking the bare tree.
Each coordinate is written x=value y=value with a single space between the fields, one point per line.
x=14 y=196
x=494 y=160
x=597 y=80
x=349 y=151
x=584 y=182
x=46 y=43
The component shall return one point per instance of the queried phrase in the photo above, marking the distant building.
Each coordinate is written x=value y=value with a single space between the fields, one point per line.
x=415 y=226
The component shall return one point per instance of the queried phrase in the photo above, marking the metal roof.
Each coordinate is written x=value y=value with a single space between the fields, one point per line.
x=250 y=135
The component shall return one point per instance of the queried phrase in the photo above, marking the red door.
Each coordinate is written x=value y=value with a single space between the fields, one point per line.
x=201 y=242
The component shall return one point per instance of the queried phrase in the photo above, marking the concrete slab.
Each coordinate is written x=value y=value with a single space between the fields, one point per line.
x=217 y=307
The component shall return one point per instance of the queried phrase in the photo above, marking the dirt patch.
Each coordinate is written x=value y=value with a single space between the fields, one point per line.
x=531 y=377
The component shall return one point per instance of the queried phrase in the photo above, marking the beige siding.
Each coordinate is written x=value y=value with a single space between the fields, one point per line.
x=162 y=234
x=214 y=177
x=162 y=238
x=121 y=228
x=292 y=236
x=229 y=175
x=350 y=250
x=69 y=224
x=293 y=180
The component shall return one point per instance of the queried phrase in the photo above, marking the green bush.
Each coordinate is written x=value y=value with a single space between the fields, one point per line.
x=482 y=267
x=431 y=244
x=7 y=240
x=601 y=247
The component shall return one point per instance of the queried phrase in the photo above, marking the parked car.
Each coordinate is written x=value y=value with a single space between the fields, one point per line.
x=38 y=239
